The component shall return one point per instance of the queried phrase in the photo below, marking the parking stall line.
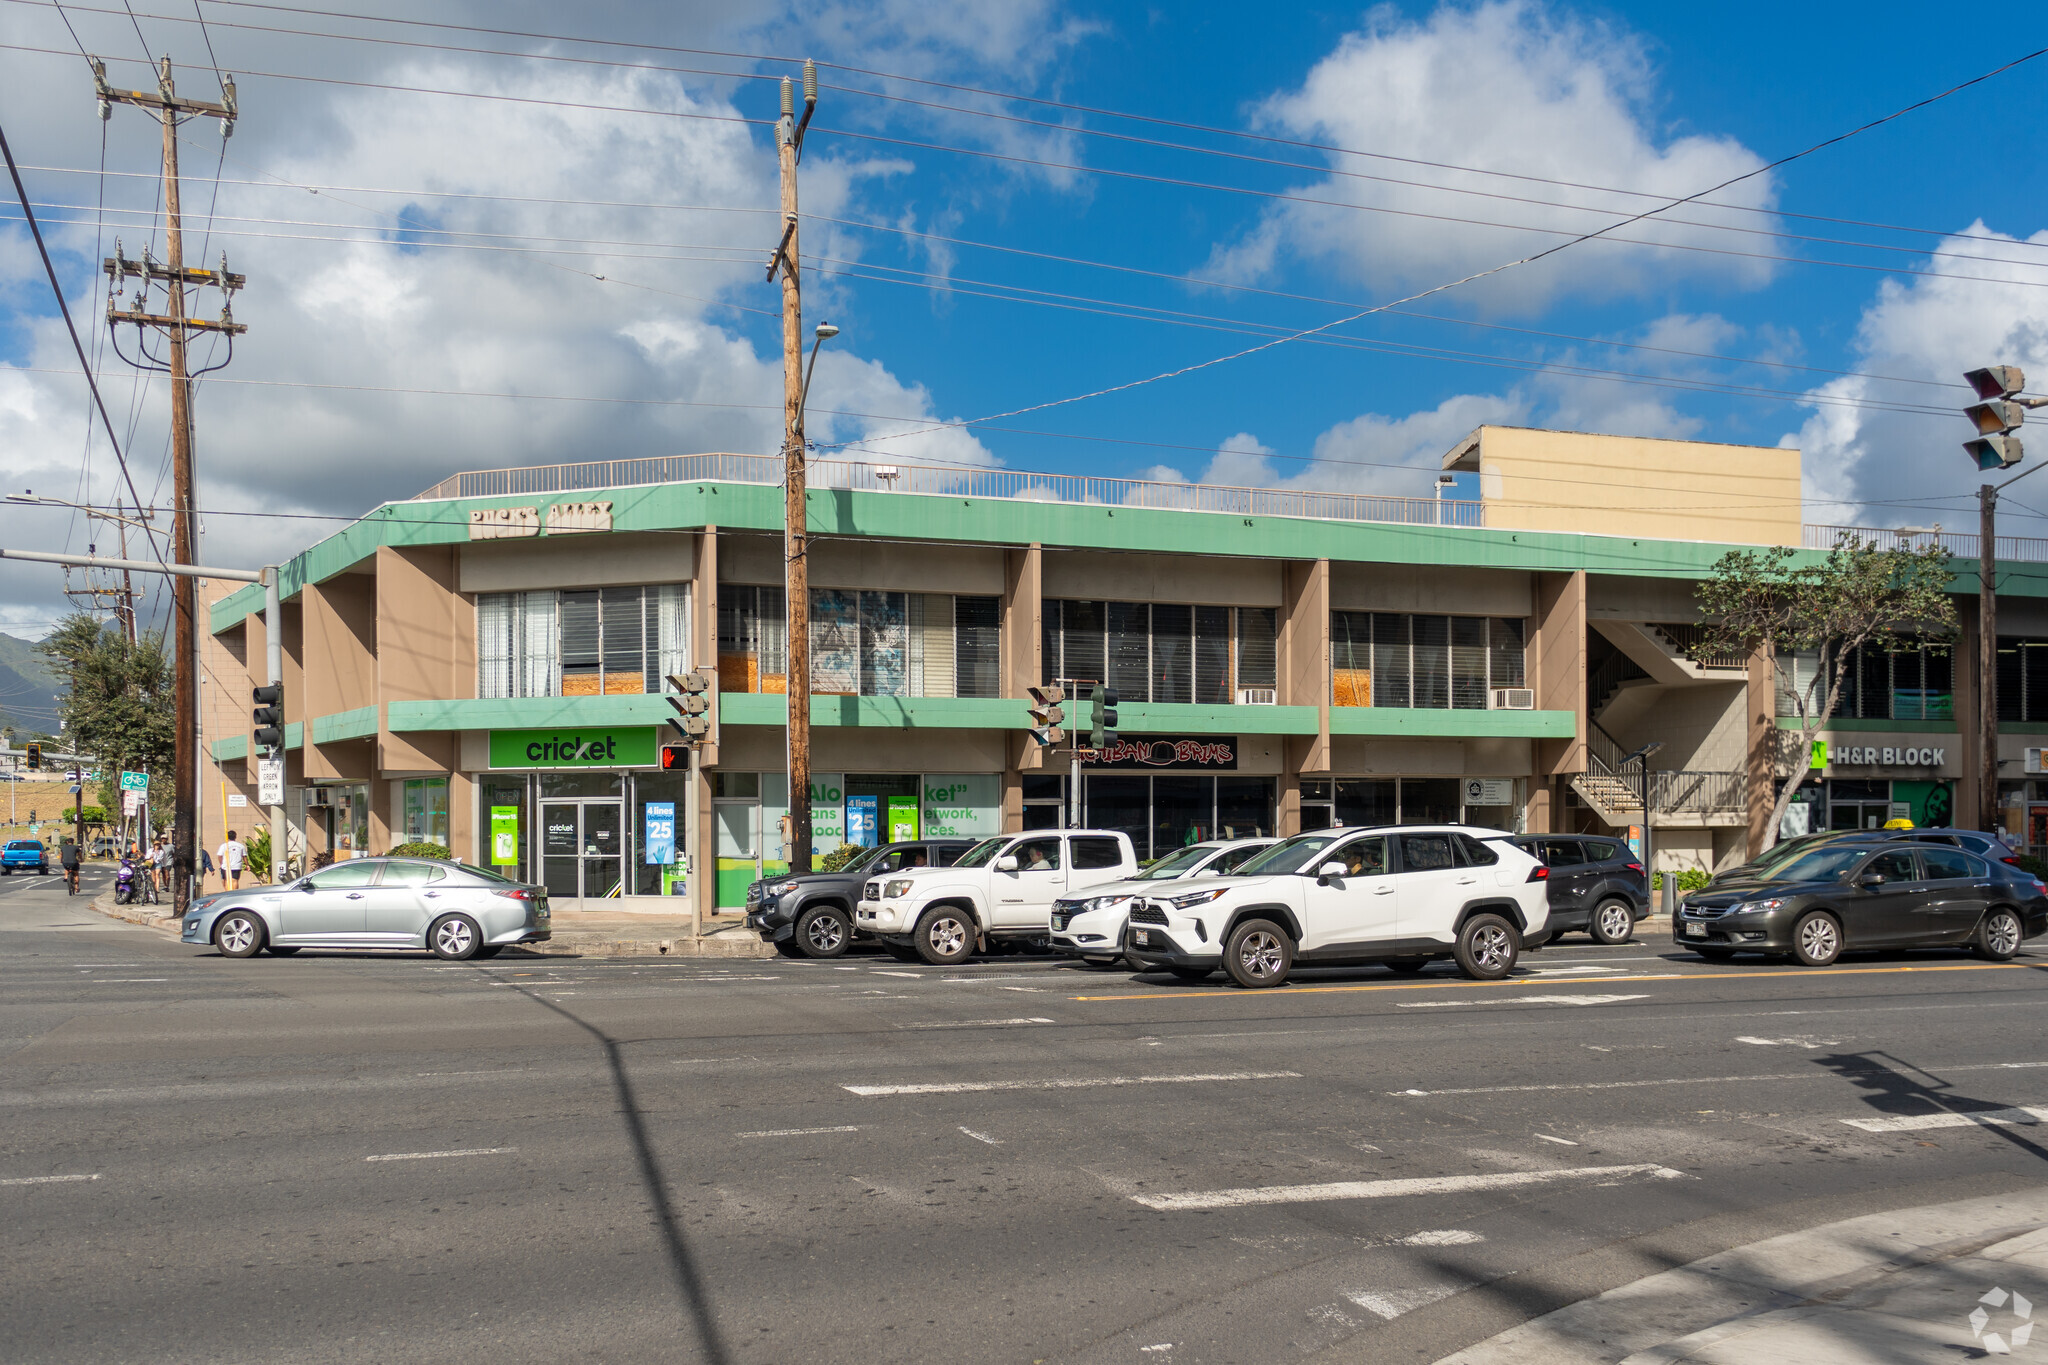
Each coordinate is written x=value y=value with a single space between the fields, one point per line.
x=1800 y=974
x=1077 y=1083
x=47 y=1179
x=1392 y=1189
x=800 y=1132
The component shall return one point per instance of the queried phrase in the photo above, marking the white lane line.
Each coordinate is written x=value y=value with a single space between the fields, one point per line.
x=431 y=1156
x=1969 y=1118
x=1562 y=1142
x=46 y=1179
x=1441 y=1237
x=1805 y=1040
x=800 y=1132
x=1394 y=1302
x=1694 y=1080
x=488 y=1071
x=883 y=971
x=975 y=1023
x=980 y=1137
x=977 y=980
x=1520 y=1000
x=1028 y=990
x=125 y=980
x=964 y=1087
x=1391 y=1189
x=1571 y=971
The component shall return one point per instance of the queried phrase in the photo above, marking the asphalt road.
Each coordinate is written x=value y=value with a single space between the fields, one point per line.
x=362 y=1157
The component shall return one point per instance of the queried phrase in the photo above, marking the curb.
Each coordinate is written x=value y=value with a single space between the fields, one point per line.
x=143 y=915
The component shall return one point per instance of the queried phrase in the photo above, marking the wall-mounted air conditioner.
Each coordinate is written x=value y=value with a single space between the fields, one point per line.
x=1514 y=699
x=1258 y=696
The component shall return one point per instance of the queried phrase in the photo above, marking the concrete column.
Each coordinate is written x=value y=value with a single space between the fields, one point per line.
x=339 y=625
x=1557 y=655
x=425 y=651
x=1304 y=649
x=1023 y=605
x=1287 y=810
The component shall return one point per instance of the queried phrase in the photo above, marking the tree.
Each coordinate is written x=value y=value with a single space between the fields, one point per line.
x=118 y=700
x=1855 y=596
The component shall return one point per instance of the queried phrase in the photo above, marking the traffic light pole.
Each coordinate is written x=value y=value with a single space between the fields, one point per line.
x=273 y=671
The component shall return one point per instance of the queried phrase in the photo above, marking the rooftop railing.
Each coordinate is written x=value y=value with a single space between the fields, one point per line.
x=1084 y=489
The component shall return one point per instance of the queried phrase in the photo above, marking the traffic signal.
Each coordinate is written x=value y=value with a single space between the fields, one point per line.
x=1996 y=415
x=696 y=704
x=269 y=717
x=1046 y=716
x=675 y=758
x=35 y=756
x=1104 y=733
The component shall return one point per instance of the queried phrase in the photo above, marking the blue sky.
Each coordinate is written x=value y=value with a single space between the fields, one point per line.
x=1654 y=100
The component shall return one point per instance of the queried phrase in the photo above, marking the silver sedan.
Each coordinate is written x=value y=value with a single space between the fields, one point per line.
x=452 y=909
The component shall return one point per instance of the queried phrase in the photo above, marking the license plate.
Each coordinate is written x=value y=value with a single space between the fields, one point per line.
x=1142 y=937
x=1695 y=931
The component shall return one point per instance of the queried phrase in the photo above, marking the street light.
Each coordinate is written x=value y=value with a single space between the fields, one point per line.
x=1996 y=414
x=824 y=333
x=1641 y=758
x=1444 y=484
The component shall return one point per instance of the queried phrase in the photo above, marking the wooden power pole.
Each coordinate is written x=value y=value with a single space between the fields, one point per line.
x=171 y=110
x=789 y=141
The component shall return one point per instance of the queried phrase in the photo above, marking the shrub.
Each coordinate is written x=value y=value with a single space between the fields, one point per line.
x=1694 y=879
x=840 y=857
x=423 y=850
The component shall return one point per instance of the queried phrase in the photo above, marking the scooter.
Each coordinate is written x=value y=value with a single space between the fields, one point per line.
x=124 y=883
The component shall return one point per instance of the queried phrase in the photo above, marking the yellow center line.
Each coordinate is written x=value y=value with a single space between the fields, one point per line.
x=1552 y=982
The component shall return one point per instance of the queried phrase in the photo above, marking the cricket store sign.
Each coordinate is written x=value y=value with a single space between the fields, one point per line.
x=1888 y=756
x=576 y=747
x=1165 y=751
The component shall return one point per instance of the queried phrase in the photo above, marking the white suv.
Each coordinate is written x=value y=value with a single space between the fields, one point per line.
x=1002 y=888
x=1090 y=924
x=1404 y=896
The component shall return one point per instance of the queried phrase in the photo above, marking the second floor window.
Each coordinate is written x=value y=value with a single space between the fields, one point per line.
x=1161 y=651
x=581 y=643
x=1380 y=658
x=1907 y=682
x=863 y=642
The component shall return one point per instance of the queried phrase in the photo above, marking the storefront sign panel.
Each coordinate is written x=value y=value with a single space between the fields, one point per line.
x=1489 y=791
x=631 y=746
x=1885 y=756
x=962 y=805
x=1208 y=753
x=902 y=818
x=659 y=839
x=863 y=820
x=504 y=835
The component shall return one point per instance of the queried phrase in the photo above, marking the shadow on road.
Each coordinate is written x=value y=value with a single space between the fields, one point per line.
x=682 y=1263
x=1898 y=1089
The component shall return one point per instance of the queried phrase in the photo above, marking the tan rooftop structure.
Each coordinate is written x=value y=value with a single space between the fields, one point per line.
x=1531 y=480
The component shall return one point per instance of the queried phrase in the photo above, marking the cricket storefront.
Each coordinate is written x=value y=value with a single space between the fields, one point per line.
x=587 y=812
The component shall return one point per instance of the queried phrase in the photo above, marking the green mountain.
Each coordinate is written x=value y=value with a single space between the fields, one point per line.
x=28 y=688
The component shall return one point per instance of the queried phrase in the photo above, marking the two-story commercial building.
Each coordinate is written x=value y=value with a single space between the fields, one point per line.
x=483 y=666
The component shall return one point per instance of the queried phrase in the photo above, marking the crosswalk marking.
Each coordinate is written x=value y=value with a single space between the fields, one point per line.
x=1391 y=1189
x=1969 y=1118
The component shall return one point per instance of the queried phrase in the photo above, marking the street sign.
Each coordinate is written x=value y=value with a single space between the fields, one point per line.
x=237 y=800
x=131 y=802
x=134 y=782
x=270 y=781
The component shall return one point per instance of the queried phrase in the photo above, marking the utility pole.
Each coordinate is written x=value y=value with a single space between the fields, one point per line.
x=170 y=109
x=789 y=141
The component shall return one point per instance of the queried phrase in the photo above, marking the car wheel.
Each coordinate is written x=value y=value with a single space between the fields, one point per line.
x=944 y=936
x=276 y=951
x=1191 y=973
x=1613 y=922
x=1716 y=954
x=1999 y=936
x=1407 y=966
x=1817 y=939
x=789 y=947
x=1258 y=953
x=238 y=933
x=823 y=932
x=1486 y=948
x=455 y=938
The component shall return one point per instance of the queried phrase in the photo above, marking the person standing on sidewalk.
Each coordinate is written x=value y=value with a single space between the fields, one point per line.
x=230 y=858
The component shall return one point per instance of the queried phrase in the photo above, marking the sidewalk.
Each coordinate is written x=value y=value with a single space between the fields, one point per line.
x=1934 y=1283
x=576 y=933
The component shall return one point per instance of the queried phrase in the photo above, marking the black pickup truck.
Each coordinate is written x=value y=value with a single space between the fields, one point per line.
x=812 y=915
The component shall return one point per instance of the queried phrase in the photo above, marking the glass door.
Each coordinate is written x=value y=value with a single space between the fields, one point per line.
x=561 y=842
x=604 y=848
x=583 y=848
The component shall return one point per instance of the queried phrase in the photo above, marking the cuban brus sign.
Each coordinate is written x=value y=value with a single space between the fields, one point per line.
x=1165 y=751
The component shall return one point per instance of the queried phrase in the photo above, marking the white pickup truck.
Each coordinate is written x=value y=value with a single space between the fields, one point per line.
x=1002 y=888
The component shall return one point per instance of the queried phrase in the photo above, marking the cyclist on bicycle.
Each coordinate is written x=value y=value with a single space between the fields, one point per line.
x=67 y=855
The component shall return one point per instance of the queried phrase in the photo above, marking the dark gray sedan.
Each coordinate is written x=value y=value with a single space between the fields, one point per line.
x=1842 y=896
x=450 y=909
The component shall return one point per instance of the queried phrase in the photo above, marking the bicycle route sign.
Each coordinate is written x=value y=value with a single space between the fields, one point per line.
x=134 y=782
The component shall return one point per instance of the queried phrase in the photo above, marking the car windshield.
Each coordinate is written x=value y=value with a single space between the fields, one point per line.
x=1175 y=863
x=983 y=852
x=1290 y=855
x=1819 y=865
x=1791 y=848
x=860 y=860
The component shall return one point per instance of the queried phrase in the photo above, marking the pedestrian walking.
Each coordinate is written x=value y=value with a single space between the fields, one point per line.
x=230 y=858
x=160 y=866
x=206 y=867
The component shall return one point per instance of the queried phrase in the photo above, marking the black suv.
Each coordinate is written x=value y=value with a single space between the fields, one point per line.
x=812 y=915
x=1596 y=884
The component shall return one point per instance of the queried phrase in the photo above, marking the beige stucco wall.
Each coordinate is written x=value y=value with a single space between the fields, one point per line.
x=1633 y=486
x=882 y=566
x=577 y=561
x=1430 y=588
x=1162 y=578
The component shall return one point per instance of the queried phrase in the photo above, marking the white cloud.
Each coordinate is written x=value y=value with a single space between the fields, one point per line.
x=1508 y=86
x=1927 y=329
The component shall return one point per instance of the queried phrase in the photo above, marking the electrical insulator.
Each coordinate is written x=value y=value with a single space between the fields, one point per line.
x=810 y=81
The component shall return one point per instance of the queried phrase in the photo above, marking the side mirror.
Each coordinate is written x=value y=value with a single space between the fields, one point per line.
x=1871 y=879
x=1006 y=863
x=306 y=885
x=1329 y=871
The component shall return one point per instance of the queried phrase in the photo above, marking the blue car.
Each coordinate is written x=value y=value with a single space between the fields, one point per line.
x=24 y=855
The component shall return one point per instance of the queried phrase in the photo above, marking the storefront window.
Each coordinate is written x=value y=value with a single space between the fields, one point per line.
x=426 y=811
x=661 y=803
x=1390 y=659
x=587 y=642
x=508 y=828
x=1163 y=651
x=1165 y=813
